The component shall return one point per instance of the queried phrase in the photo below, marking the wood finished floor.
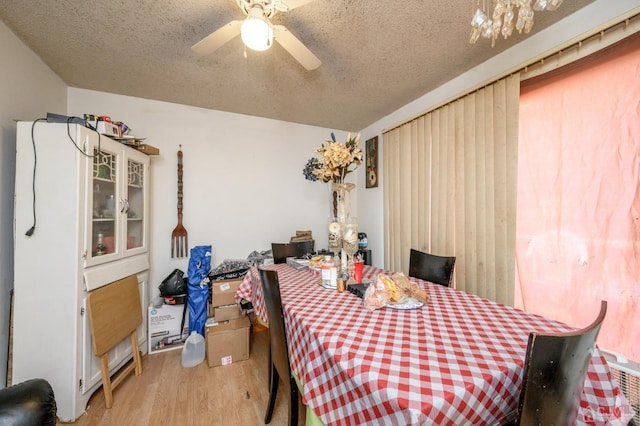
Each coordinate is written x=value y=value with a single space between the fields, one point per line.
x=168 y=394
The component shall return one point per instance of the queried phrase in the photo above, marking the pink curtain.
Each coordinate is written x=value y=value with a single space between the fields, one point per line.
x=578 y=207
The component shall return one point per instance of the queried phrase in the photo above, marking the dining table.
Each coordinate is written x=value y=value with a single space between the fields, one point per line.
x=456 y=360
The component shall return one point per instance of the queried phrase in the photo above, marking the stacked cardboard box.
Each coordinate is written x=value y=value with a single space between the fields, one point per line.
x=227 y=330
x=227 y=341
x=223 y=303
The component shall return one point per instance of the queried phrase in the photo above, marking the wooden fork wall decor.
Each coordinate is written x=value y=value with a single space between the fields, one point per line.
x=179 y=238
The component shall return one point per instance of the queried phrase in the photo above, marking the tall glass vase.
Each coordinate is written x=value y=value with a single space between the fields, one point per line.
x=349 y=245
x=340 y=212
x=341 y=200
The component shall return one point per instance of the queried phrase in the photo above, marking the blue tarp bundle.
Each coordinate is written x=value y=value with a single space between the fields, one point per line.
x=199 y=266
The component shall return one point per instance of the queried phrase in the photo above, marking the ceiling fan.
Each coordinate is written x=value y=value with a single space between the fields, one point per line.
x=258 y=32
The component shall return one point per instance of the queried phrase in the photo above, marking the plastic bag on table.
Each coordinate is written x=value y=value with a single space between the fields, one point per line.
x=376 y=296
x=198 y=290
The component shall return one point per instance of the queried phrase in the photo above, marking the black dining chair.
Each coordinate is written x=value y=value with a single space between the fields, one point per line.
x=279 y=365
x=281 y=251
x=555 y=368
x=429 y=267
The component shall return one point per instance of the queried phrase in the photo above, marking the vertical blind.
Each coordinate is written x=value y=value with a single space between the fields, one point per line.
x=450 y=188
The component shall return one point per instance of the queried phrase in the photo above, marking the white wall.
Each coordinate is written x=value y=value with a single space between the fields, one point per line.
x=243 y=181
x=597 y=16
x=28 y=89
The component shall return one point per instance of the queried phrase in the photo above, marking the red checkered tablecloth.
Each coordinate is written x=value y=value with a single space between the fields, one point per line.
x=457 y=360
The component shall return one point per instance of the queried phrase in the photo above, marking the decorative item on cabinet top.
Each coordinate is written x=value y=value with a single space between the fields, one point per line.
x=119 y=131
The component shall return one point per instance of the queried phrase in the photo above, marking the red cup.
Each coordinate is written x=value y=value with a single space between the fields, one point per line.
x=357 y=271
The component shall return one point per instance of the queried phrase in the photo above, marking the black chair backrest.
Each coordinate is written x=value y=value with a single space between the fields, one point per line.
x=429 y=267
x=281 y=251
x=277 y=331
x=554 y=371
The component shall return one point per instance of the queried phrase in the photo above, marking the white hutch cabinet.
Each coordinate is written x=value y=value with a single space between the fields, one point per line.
x=89 y=204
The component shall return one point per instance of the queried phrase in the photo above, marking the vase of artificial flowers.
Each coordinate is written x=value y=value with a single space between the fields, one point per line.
x=338 y=160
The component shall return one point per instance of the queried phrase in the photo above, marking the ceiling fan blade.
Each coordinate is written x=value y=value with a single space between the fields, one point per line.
x=287 y=5
x=217 y=38
x=295 y=47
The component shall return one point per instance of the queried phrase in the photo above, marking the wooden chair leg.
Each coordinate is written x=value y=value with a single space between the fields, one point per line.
x=270 y=368
x=137 y=361
x=109 y=385
x=106 y=380
x=273 y=393
x=293 y=402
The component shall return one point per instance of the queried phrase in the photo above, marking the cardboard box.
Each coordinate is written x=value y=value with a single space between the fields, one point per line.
x=227 y=312
x=223 y=292
x=105 y=128
x=164 y=328
x=227 y=341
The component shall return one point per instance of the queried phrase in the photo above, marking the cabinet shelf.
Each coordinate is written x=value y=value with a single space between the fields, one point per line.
x=100 y=179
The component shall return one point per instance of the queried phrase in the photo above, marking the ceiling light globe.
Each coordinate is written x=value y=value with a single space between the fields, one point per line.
x=256 y=33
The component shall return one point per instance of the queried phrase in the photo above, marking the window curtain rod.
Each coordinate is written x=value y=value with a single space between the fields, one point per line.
x=573 y=51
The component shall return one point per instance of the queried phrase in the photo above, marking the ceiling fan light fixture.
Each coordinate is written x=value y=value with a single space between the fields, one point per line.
x=256 y=31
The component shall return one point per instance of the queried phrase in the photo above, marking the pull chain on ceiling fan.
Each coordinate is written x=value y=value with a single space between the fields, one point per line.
x=257 y=31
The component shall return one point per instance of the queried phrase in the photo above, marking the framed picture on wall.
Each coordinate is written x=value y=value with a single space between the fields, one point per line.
x=371 y=160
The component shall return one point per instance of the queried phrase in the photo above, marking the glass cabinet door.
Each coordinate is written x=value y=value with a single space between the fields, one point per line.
x=135 y=204
x=116 y=196
x=104 y=235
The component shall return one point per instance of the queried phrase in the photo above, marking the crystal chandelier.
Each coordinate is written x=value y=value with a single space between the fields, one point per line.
x=501 y=21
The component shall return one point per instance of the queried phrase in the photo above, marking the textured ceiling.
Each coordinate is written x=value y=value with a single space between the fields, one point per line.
x=376 y=55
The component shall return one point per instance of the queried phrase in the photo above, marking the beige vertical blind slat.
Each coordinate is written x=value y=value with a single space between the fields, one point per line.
x=499 y=213
x=416 y=198
x=472 y=190
x=446 y=245
x=450 y=187
x=391 y=143
x=513 y=128
x=462 y=203
x=404 y=187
